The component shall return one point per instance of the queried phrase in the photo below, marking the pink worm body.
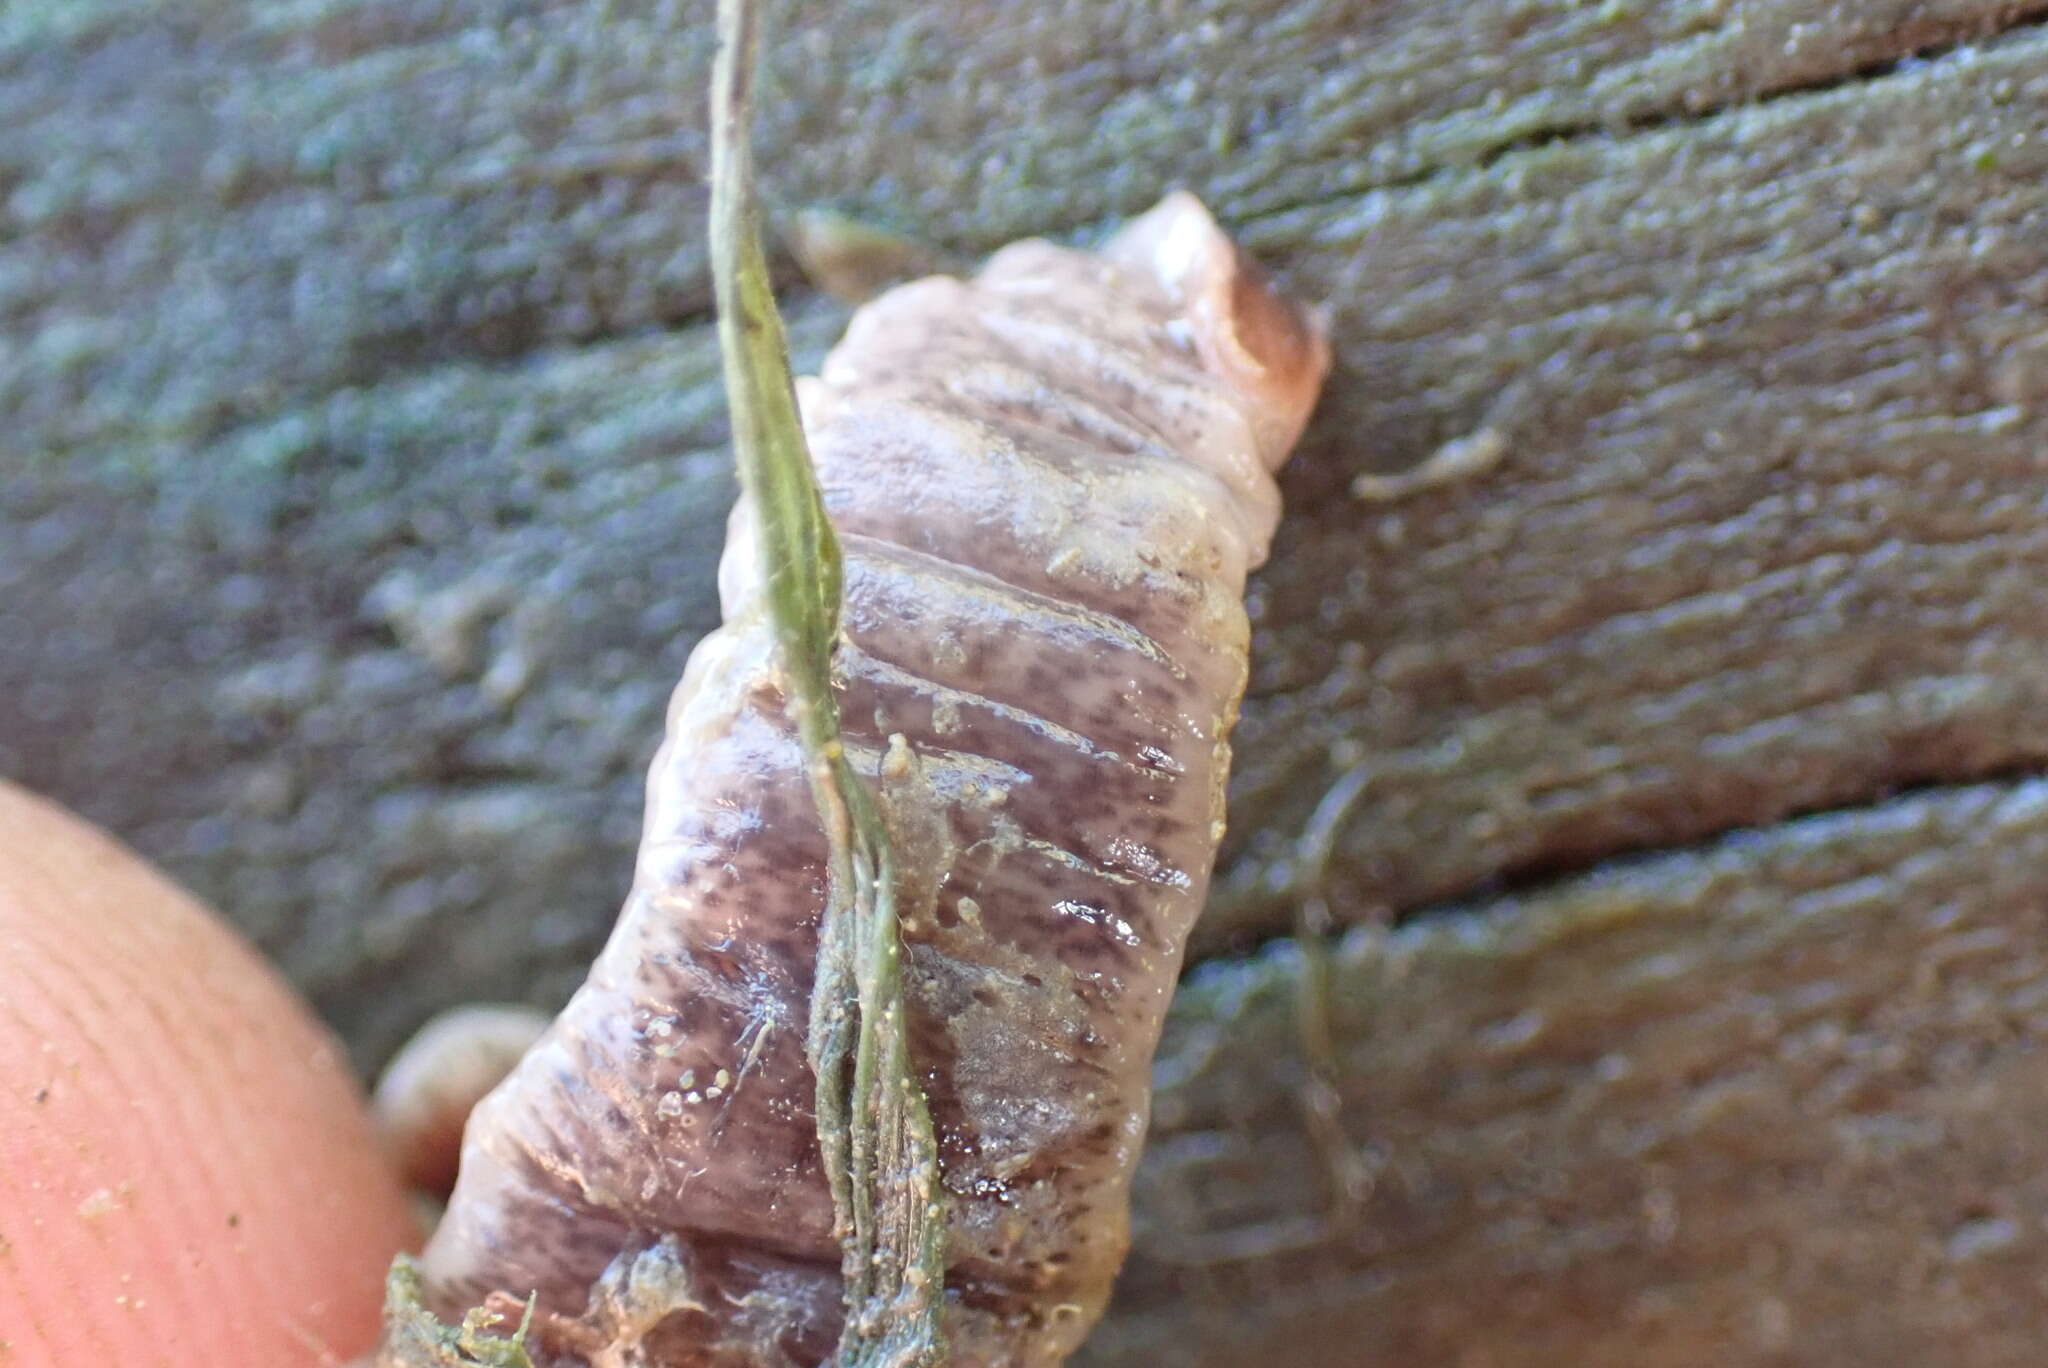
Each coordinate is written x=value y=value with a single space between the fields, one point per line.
x=1050 y=483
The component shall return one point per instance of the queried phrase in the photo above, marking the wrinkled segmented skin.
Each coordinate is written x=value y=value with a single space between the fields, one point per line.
x=1050 y=483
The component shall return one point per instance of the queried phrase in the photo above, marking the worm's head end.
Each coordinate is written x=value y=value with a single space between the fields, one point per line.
x=1274 y=351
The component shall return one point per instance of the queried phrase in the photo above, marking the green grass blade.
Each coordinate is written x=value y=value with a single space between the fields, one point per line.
x=874 y=1124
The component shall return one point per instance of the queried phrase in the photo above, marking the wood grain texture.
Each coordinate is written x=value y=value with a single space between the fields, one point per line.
x=1774 y=1100
x=362 y=491
x=1767 y=535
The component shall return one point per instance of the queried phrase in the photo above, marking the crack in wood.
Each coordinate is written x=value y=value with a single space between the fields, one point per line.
x=2024 y=22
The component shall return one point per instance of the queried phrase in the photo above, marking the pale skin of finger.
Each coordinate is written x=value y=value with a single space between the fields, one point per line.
x=188 y=1174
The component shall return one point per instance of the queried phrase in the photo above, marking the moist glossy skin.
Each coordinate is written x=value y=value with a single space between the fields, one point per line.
x=1050 y=483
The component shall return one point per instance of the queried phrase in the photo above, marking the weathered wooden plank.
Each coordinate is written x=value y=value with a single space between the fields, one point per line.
x=218 y=207
x=361 y=483
x=1767 y=533
x=1761 y=539
x=1775 y=1100
x=382 y=676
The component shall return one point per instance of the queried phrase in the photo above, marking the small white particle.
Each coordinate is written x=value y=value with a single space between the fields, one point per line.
x=1975 y=1239
x=1459 y=459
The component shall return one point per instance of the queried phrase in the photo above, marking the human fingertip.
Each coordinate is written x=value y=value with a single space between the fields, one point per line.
x=187 y=1171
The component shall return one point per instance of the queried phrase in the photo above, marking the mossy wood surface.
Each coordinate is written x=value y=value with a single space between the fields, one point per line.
x=361 y=478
